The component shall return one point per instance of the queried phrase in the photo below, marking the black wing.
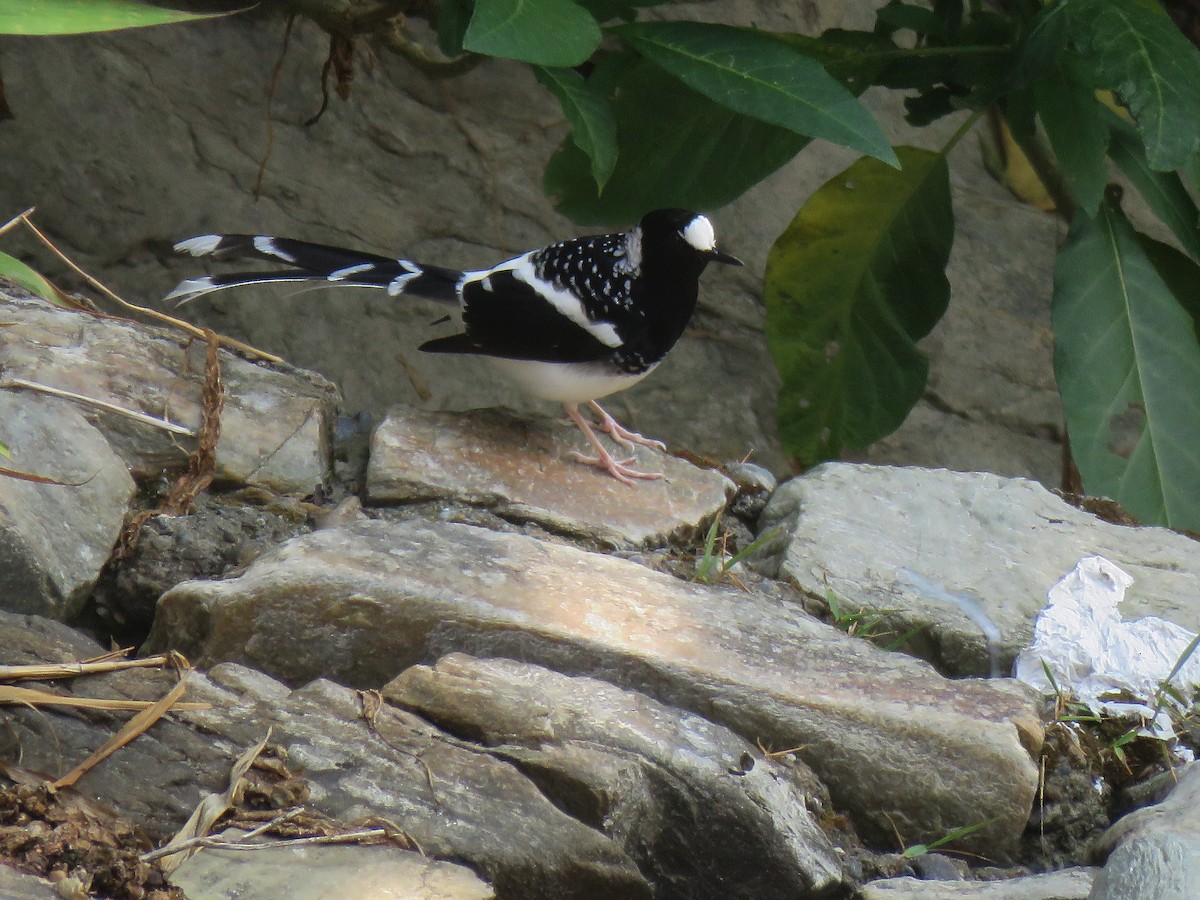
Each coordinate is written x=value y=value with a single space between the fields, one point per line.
x=507 y=317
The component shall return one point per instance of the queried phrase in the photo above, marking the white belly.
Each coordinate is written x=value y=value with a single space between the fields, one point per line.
x=565 y=382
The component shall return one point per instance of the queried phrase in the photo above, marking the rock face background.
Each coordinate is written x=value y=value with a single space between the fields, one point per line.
x=129 y=142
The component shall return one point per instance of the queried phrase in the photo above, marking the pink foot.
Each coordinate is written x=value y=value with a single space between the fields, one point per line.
x=617 y=468
x=620 y=433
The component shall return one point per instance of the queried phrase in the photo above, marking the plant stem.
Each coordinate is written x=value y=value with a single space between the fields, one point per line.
x=966 y=126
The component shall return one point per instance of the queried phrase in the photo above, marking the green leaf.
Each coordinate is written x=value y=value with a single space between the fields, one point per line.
x=1179 y=274
x=1128 y=367
x=4 y=450
x=593 y=127
x=82 y=16
x=32 y=280
x=1164 y=192
x=1074 y=123
x=1138 y=52
x=851 y=285
x=755 y=74
x=677 y=148
x=452 y=19
x=853 y=58
x=544 y=32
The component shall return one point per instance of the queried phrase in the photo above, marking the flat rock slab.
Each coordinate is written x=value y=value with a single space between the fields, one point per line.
x=1068 y=884
x=274 y=425
x=897 y=744
x=522 y=469
x=699 y=808
x=55 y=538
x=864 y=531
x=322 y=872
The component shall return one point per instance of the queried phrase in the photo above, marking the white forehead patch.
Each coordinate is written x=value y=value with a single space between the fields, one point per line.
x=699 y=233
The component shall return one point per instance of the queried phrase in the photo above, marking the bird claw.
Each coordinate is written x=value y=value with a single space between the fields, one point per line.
x=617 y=468
x=620 y=433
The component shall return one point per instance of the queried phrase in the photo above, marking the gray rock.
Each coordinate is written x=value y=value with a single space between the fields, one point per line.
x=55 y=538
x=321 y=872
x=1155 y=851
x=274 y=425
x=939 y=867
x=16 y=885
x=888 y=735
x=220 y=532
x=700 y=809
x=454 y=799
x=861 y=530
x=522 y=470
x=1067 y=884
x=750 y=477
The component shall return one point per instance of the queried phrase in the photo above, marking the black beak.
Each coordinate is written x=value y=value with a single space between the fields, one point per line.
x=729 y=259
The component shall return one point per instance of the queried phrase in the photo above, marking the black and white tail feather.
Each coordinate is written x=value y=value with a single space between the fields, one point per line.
x=311 y=263
x=570 y=322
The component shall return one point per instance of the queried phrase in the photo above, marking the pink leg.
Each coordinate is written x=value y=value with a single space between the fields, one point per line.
x=620 y=433
x=618 y=469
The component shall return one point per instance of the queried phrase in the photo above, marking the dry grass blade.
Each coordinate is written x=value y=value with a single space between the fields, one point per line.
x=177 y=850
x=106 y=663
x=102 y=404
x=11 y=694
x=243 y=841
x=151 y=313
x=135 y=726
x=37 y=479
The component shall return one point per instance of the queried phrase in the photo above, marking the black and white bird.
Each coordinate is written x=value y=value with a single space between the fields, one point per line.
x=571 y=322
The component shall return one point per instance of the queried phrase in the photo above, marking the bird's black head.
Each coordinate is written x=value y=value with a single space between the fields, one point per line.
x=680 y=232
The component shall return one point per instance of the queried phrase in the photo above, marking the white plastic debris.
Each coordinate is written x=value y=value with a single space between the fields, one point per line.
x=1093 y=655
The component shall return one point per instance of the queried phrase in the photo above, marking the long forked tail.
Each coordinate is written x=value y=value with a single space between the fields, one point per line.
x=311 y=263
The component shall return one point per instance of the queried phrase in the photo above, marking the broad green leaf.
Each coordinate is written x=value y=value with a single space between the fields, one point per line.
x=82 y=16
x=544 y=32
x=754 y=74
x=1163 y=191
x=1128 y=367
x=593 y=128
x=851 y=285
x=1074 y=123
x=1138 y=52
x=677 y=148
x=32 y=280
